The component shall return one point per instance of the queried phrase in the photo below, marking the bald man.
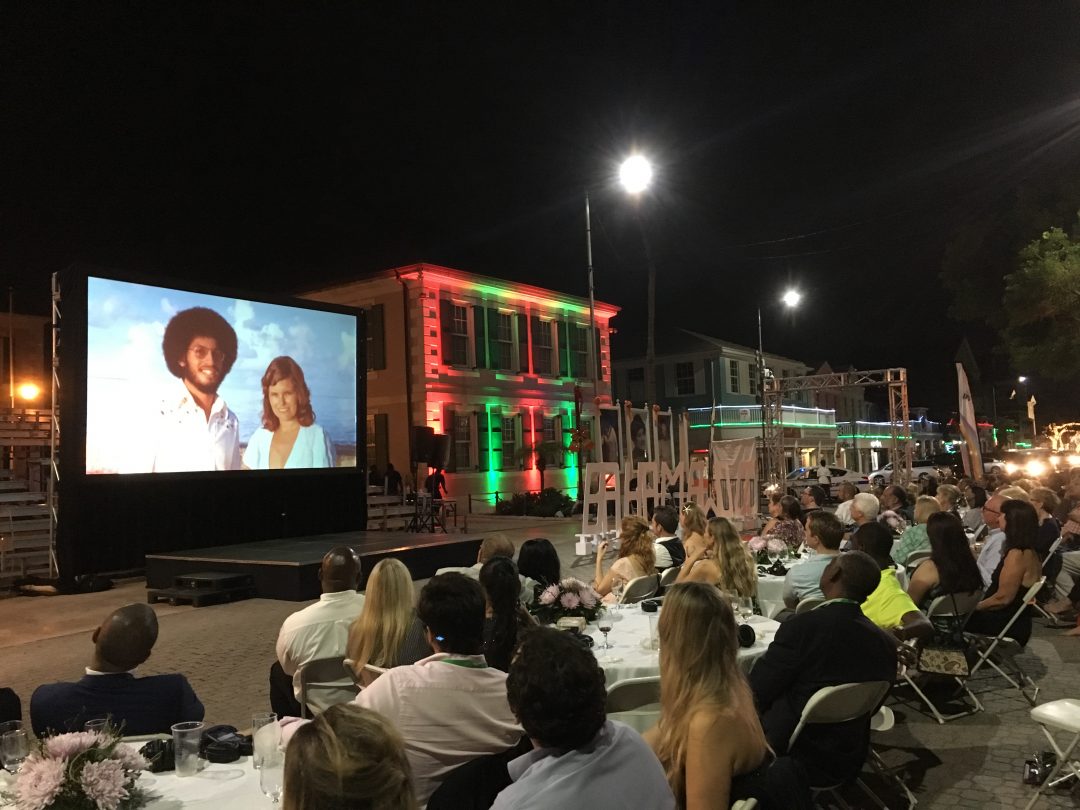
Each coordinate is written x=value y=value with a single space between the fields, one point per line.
x=111 y=688
x=494 y=545
x=318 y=631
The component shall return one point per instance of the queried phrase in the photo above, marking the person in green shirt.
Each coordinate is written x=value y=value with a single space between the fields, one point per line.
x=889 y=606
x=914 y=537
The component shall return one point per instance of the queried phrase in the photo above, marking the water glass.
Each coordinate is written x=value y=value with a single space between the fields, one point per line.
x=272 y=776
x=616 y=590
x=654 y=630
x=96 y=725
x=14 y=748
x=265 y=737
x=186 y=739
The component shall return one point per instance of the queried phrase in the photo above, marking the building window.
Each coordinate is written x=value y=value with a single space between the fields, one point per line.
x=684 y=379
x=551 y=437
x=754 y=378
x=502 y=342
x=733 y=376
x=543 y=347
x=579 y=351
x=463 y=440
x=459 y=342
x=509 y=443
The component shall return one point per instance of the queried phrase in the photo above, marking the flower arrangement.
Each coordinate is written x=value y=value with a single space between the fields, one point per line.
x=761 y=547
x=892 y=521
x=85 y=770
x=571 y=597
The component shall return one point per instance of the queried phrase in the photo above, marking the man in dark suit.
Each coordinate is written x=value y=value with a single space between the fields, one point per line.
x=831 y=645
x=110 y=689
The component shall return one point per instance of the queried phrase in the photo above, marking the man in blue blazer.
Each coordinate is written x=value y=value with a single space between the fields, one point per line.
x=110 y=688
x=831 y=645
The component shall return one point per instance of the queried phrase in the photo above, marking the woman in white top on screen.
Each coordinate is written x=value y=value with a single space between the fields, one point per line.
x=289 y=437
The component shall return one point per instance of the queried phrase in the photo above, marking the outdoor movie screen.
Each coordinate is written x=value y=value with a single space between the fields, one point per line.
x=181 y=381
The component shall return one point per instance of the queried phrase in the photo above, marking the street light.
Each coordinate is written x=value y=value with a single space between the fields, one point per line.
x=790 y=299
x=635 y=175
x=29 y=391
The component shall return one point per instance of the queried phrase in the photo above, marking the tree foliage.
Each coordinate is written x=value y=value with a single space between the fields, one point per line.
x=1042 y=307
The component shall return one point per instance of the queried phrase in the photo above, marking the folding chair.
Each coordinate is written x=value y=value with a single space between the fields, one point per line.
x=840 y=704
x=915 y=558
x=1006 y=655
x=1050 y=617
x=322 y=674
x=1063 y=715
x=957 y=608
x=745 y=804
x=639 y=588
x=635 y=701
x=883 y=721
x=668 y=577
x=808 y=603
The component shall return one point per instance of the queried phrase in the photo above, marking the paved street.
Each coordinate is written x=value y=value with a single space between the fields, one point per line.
x=226 y=651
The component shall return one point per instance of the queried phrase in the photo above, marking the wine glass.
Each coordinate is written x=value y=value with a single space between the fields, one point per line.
x=616 y=591
x=14 y=748
x=272 y=775
x=603 y=622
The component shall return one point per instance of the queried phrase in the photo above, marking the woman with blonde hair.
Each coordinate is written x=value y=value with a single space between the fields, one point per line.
x=693 y=522
x=948 y=497
x=709 y=738
x=348 y=756
x=636 y=558
x=387 y=633
x=914 y=537
x=724 y=562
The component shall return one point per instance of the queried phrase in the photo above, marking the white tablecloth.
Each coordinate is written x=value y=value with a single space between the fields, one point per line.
x=629 y=639
x=770 y=594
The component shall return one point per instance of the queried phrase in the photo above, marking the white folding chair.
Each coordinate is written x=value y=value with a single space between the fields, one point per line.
x=668 y=577
x=745 y=804
x=322 y=674
x=957 y=609
x=1001 y=650
x=1062 y=715
x=841 y=704
x=808 y=603
x=881 y=722
x=915 y=558
x=1050 y=617
x=635 y=701
x=639 y=588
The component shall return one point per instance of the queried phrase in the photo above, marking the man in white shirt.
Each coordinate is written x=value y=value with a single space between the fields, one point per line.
x=990 y=555
x=195 y=429
x=494 y=545
x=667 y=546
x=318 y=631
x=848 y=491
x=824 y=476
x=451 y=707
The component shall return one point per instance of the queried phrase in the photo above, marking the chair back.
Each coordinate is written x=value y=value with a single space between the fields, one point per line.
x=839 y=704
x=635 y=701
x=916 y=557
x=639 y=588
x=1051 y=550
x=808 y=603
x=369 y=673
x=323 y=674
x=669 y=576
x=957 y=606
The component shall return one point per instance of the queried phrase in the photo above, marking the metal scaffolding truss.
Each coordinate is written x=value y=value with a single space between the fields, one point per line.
x=52 y=495
x=895 y=379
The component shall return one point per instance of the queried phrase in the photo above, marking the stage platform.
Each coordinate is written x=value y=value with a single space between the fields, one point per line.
x=288 y=568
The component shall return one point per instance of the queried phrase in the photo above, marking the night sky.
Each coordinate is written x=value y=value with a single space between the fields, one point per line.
x=275 y=147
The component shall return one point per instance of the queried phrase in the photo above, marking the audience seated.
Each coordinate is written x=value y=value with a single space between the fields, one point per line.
x=1018 y=569
x=830 y=645
x=948 y=498
x=914 y=537
x=810 y=501
x=1046 y=502
x=318 y=631
x=348 y=757
x=110 y=688
x=505 y=615
x=538 y=566
x=709 y=738
x=889 y=606
x=668 y=547
x=556 y=690
x=723 y=561
x=975 y=497
x=692 y=522
x=823 y=535
x=990 y=555
x=635 y=558
x=494 y=545
x=894 y=498
x=784 y=521
x=950 y=567
x=848 y=491
x=387 y=633
x=450 y=707
x=10 y=705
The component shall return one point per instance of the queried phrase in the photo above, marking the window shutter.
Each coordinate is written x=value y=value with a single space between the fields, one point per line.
x=492 y=333
x=482 y=437
x=479 y=344
x=523 y=343
x=446 y=330
x=450 y=429
x=564 y=348
x=376 y=339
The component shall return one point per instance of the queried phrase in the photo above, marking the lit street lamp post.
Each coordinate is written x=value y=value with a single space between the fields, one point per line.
x=635 y=174
x=791 y=300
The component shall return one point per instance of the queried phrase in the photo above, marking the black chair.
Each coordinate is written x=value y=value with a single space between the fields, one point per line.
x=474 y=785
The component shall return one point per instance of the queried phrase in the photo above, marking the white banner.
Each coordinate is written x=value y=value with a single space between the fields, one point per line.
x=735 y=478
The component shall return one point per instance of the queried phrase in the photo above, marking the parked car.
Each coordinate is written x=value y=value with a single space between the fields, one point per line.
x=803 y=477
x=920 y=468
x=955 y=463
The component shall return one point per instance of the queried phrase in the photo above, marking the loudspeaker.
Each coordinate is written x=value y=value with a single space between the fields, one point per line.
x=423 y=442
x=440 y=451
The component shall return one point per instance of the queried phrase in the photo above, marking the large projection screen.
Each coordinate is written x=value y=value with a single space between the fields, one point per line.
x=169 y=440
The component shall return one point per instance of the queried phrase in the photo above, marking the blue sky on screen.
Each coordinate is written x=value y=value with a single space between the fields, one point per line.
x=125 y=366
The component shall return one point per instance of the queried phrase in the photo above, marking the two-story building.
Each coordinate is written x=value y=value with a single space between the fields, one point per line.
x=492 y=364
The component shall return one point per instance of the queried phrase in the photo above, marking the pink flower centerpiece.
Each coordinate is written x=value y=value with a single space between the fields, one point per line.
x=80 y=771
x=571 y=597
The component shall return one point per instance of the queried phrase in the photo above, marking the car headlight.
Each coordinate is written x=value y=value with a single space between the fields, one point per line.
x=1074 y=460
x=1010 y=468
x=1035 y=468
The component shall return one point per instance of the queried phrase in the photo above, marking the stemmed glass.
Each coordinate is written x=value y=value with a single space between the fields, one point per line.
x=272 y=775
x=603 y=622
x=616 y=591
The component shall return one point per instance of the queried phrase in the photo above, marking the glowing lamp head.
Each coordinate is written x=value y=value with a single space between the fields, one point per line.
x=28 y=391
x=635 y=174
x=1021 y=379
x=792 y=298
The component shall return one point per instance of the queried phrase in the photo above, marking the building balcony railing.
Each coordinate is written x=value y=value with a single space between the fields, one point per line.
x=749 y=416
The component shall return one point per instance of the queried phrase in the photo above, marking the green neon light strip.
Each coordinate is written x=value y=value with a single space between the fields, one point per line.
x=491 y=444
x=758 y=425
x=869 y=436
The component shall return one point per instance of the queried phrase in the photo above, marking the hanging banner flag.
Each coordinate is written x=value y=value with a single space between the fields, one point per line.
x=969 y=450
